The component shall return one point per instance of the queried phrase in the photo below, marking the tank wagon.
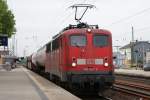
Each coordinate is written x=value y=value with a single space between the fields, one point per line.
x=80 y=54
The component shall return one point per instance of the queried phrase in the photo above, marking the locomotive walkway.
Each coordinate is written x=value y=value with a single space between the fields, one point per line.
x=22 y=84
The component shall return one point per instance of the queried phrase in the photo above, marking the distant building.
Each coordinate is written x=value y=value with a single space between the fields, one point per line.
x=119 y=60
x=148 y=57
x=139 y=52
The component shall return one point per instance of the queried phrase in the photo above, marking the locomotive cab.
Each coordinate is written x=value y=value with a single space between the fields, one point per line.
x=89 y=57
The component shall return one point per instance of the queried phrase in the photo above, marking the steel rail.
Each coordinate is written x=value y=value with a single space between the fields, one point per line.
x=107 y=98
x=132 y=92
x=140 y=90
x=133 y=84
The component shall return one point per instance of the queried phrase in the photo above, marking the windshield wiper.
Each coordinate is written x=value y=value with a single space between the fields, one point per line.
x=76 y=44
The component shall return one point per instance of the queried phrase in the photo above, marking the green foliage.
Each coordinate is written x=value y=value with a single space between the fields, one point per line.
x=7 y=22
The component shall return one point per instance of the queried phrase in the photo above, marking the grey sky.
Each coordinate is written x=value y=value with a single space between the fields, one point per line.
x=38 y=20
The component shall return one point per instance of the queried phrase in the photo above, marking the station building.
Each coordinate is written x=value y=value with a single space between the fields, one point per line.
x=140 y=48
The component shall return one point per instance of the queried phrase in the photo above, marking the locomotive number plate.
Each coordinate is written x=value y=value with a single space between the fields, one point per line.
x=90 y=69
x=90 y=61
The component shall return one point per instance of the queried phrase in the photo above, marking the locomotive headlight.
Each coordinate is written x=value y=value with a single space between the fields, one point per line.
x=106 y=64
x=89 y=30
x=74 y=64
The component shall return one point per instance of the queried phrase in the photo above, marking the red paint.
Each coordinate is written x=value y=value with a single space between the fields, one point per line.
x=60 y=60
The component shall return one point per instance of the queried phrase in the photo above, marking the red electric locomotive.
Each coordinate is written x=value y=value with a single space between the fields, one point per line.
x=80 y=54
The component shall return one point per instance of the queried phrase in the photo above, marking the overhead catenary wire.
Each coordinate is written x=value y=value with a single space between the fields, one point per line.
x=131 y=16
x=143 y=28
x=140 y=29
x=126 y=18
x=65 y=15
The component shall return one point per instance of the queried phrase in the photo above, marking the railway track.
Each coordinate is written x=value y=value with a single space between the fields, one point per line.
x=132 y=89
x=94 y=97
x=138 y=90
x=83 y=95
x=135 y=79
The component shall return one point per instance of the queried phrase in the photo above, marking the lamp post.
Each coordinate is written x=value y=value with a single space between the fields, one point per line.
x=143 y=49
x=136 y=52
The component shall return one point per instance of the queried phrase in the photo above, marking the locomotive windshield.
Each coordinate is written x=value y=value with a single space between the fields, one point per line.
x=78 y=40
x=100 y=40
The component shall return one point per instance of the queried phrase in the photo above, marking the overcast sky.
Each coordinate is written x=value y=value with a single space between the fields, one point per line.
x=38 y=20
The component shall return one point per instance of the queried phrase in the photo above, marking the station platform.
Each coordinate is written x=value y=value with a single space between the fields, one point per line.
x=22 y=84
x=133 y=72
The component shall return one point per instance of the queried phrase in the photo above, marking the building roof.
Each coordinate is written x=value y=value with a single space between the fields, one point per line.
x=126 y=46
x=134 y=43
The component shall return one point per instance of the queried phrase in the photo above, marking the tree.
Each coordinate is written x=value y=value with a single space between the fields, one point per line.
x=7 y=21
